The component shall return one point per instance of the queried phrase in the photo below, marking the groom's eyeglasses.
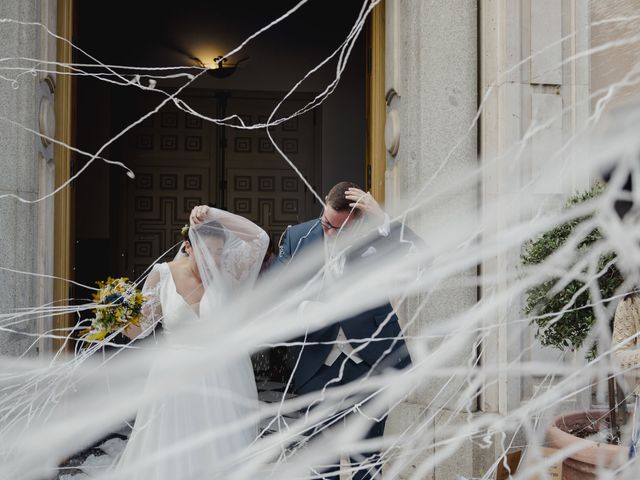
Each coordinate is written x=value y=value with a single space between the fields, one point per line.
x=326 y=224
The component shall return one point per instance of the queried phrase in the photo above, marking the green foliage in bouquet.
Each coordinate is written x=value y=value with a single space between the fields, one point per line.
x=572 y=328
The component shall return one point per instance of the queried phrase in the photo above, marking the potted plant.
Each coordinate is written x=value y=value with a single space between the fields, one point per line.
x=570 y=332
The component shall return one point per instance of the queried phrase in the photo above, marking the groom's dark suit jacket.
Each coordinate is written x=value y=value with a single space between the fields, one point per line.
x=357 y=327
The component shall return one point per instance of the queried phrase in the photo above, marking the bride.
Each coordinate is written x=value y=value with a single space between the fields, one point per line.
x=181 y=433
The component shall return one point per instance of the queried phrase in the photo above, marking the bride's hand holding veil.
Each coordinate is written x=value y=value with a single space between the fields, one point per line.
x=199 y=214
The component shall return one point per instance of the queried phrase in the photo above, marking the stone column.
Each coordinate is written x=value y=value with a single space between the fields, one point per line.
x=26 y=242
x=535 y=101
x=431 y=82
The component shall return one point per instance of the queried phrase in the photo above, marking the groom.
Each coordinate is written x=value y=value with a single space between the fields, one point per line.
x=326 y=350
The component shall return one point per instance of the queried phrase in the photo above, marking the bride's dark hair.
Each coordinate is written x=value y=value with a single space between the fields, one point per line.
x=212 y=229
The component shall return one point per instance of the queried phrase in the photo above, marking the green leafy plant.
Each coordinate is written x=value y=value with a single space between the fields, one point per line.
x=546 y=300
x=570 y=330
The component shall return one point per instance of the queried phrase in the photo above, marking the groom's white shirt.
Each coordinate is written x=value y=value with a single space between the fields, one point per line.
x=335 y=269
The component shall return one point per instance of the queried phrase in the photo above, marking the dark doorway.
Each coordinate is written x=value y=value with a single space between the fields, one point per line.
x=181 y=160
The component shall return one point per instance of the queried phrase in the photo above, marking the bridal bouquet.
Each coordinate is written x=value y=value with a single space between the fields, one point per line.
x=119 y=304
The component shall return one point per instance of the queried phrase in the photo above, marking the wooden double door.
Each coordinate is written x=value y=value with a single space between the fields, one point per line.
x=181 y=160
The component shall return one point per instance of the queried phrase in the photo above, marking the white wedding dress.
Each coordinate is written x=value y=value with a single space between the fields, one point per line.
x=191 y=429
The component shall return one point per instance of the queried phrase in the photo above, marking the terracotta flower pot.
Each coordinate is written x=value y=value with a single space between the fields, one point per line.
x=584 y=463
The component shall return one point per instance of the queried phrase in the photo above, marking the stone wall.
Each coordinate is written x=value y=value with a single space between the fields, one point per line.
x=26 y=169
x=442 y=57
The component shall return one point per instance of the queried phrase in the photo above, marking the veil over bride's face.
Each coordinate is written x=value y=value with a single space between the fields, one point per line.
x=213 y=245
x=227 y=252
x=208 y=243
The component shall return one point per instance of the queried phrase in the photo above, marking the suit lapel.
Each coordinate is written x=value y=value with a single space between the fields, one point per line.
x=314 y=234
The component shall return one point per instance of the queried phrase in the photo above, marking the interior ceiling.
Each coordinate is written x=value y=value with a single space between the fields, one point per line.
x=153 y=33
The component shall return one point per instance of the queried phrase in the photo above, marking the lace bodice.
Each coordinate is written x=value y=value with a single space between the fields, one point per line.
x=239 y=263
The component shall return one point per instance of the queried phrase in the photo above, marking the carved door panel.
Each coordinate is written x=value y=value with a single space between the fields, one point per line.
x=173 y=156
x=260 y=185
x=179 y=162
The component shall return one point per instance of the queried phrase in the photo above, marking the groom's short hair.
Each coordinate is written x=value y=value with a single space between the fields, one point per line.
x=336 y=197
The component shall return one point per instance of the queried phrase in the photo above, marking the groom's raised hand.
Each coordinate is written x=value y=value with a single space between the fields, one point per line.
x=365 y=202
